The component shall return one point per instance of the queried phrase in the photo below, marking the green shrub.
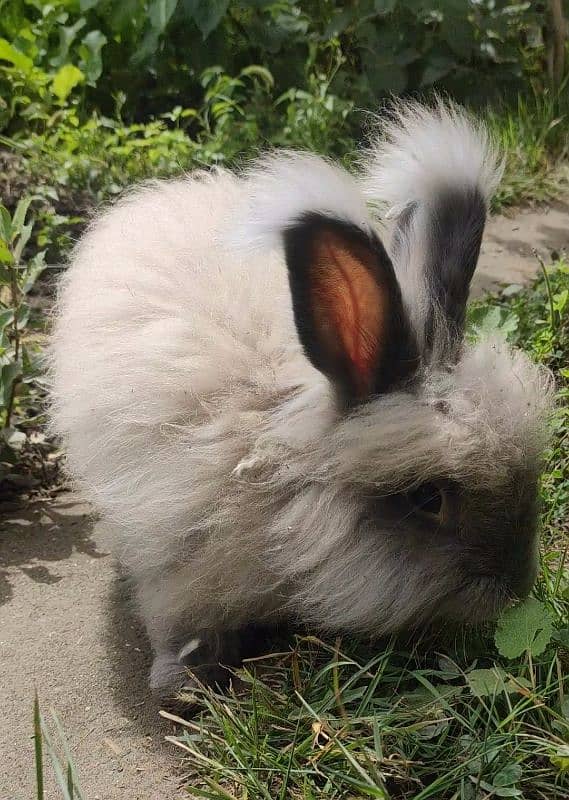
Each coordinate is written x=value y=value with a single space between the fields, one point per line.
x=47 y=52
x=18 y=348
x=153 y=52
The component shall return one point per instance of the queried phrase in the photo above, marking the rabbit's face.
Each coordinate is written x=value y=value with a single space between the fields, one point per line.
x=462 y=554
x=424 y=499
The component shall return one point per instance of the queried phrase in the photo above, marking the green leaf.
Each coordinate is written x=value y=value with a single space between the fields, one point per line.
x=259 y=72
x=8 y=375
x=560 y=300
x=562 y=636
x=23 y=315
x=20 y=216
x=65 y=80
x=6 y=318
x=518 y=685
x=5 y=224
x=9 y=53
x=6 y=256
x=159 y=14
x=34 y=269
x=67 y=34
x=486 y=682
x=90 y=51
x=560 y=758
x=207 y=14
x=527 y=627
x=511 y=774
x=22 y=240
x=146 y=48
x=488 y=320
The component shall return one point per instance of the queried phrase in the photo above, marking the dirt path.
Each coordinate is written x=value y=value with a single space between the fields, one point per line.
x=507 y=253
x=65 y=627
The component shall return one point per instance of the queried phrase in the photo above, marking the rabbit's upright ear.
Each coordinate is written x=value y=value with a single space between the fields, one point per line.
x=348 y=307
x=346 y=299
x=435 y=169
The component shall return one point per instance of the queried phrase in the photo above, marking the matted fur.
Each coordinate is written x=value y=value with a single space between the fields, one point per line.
x=232 y=487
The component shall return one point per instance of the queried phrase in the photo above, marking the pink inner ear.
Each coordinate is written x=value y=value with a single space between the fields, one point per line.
x=350 y=307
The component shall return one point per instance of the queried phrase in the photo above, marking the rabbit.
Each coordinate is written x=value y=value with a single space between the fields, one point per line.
x=279 y=418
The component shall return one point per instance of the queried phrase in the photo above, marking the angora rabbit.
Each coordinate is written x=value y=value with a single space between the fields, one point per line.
x=280 y=419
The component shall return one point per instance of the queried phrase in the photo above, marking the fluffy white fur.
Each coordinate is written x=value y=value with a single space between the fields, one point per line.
x=419 y=150
x=284 y=186
x=232 y=487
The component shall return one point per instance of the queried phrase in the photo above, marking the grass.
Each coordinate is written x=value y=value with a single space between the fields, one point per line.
x=534 y=136
x=461 y=717
x=54 y=744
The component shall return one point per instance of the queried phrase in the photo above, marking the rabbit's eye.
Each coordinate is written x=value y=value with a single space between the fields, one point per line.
x=427 y=499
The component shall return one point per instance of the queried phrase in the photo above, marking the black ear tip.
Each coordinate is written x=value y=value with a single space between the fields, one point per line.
x=455 y=229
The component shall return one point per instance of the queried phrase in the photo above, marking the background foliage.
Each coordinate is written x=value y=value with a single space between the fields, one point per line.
x=95 y=94
x=149 y=55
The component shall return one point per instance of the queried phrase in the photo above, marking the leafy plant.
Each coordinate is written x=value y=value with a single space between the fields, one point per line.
x=90 y=51
x=525 y=628
x=45 y=54
x=17 y=353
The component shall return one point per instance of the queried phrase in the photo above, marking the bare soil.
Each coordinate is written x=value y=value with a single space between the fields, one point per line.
x=66 y=628
x=510 y=240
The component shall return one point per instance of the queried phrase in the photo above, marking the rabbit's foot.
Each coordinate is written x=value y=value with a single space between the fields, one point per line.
x=201 y=661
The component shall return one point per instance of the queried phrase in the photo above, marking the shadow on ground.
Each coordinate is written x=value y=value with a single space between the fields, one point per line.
x=39 y=533
x=129 y=654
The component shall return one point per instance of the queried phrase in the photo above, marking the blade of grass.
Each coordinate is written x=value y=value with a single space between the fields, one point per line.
x=70 y=765
x=38 y=748
x=56 y=764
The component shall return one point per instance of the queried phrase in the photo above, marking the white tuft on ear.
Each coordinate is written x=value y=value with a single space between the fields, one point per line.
x=281 y=188
x=421 y=150
x=433 y=170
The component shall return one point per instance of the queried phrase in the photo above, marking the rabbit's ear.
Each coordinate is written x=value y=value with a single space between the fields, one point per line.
x=348 y=307
x=435 y=169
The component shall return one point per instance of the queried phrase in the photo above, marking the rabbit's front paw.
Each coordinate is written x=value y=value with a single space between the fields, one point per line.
x=201 y=661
